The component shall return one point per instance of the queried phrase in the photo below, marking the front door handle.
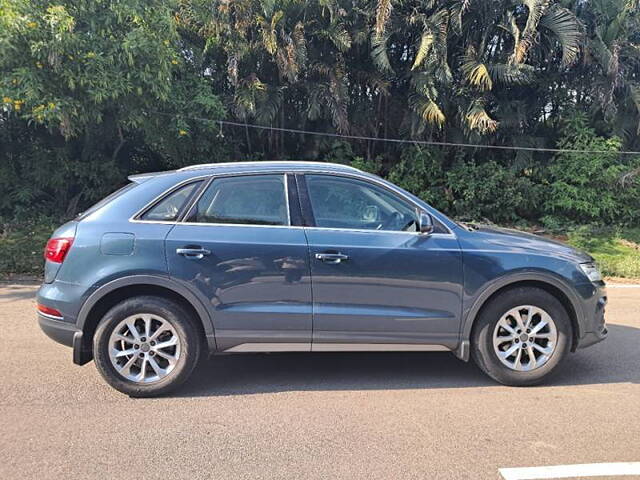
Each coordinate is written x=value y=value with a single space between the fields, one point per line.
x=193 y=252
x=332 y=258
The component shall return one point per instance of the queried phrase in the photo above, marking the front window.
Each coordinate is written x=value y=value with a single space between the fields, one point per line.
x=339 y=202
x=251 y=199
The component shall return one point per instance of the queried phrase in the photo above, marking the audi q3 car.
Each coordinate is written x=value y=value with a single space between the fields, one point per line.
x=304 y=257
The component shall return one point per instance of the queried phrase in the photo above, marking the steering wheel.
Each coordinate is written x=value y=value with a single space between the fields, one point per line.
x=391 y=222
x=411 y=222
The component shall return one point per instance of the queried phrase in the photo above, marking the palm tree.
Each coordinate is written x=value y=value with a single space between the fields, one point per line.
x=466 y=59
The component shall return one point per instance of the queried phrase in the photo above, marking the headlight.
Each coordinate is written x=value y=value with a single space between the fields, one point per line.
x=591 y=271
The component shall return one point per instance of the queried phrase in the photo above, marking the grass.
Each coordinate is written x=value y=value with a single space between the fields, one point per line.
x=617 y=252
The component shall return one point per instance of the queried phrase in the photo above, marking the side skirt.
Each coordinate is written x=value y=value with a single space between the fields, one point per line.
x=335 y=347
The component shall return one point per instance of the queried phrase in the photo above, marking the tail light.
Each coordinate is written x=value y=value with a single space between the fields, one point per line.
x=57 y=249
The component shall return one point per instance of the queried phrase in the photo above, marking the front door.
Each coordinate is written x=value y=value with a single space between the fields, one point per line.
x=238 y=249
x=377 y=282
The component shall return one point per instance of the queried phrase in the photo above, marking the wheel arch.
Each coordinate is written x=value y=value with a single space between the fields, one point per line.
x=552 y=285
x=108 y=295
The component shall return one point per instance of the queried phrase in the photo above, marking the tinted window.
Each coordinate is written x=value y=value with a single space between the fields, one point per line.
x=251 y=199
x=339 y=202
x=169 y=207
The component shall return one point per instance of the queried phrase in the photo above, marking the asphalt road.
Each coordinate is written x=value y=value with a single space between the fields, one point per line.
x=306 y=416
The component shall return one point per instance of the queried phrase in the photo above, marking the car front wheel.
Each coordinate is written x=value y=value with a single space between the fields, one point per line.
x=146 y=346
x=521 y=336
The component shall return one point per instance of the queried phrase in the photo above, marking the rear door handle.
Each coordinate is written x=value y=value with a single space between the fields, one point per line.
x=193 y=252
x=332 y=258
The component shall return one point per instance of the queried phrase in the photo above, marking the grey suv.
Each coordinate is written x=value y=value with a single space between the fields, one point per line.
x=300 y=257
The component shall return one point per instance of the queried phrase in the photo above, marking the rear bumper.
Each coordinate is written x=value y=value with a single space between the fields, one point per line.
x=58 y=330
x=66 y=334
x=66 y=298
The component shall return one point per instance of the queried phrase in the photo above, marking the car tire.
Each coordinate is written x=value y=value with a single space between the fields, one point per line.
x=489 y=349
x=153 y=372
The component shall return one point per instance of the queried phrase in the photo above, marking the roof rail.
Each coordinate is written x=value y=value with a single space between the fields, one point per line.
x=143 y=177
x=274 y=163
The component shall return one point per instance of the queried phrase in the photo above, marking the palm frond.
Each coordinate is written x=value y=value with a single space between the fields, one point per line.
x=537 y=9
x=340 y=37
x=512 y=74
x=427 y=109
x=511 y=26
x=373 y=80
x=479 y=120
x=426 y=41
x=300 y=43
x=566 y=27
x=475 y=71
x=479 y=77
x=316 y=94
x=337 y=102
x=268 y=31
x=383 y=12
x=379 y=52
x=268 y=108
x=457 y=11
x=600 y=52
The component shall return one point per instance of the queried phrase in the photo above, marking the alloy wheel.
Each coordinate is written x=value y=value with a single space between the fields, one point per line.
x=144 y=348
x=525 y=337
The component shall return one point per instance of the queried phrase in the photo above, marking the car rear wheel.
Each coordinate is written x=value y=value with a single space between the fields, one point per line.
x=521 y=336
x=146 y=346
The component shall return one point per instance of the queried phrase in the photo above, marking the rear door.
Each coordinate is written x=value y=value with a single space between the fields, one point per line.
x=238 y=247
x=377 y=282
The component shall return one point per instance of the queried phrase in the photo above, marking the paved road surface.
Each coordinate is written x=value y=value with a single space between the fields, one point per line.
x=307 y=416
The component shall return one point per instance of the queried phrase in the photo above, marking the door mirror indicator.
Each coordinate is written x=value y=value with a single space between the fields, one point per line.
x=425 y=223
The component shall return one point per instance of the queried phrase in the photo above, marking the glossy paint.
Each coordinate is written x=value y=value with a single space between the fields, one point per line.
x=263 y=288
x=494 y=257
x=256 y=280
x=395 y=287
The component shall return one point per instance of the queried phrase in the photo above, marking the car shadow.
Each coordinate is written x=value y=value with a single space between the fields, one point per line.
x=614 y=361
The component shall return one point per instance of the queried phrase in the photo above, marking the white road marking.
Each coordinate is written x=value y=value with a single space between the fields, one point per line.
x=623 y=286
x=571 y=471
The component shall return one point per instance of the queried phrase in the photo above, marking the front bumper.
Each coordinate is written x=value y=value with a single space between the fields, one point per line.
x=591 y=338
x=594 y=321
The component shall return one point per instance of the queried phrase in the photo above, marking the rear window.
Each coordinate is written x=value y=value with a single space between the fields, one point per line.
x=243 y=200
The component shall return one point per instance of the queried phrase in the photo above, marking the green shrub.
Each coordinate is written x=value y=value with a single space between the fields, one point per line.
x=588 y=187
x=420 y=171
x=22 y=246
x=490 y=191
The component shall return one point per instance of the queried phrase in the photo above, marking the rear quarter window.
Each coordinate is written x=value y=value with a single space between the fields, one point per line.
x=171 y=205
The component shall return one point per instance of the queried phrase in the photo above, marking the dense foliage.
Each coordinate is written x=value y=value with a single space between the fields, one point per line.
x=94 y=90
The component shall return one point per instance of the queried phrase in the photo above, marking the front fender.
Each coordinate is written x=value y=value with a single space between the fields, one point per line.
x=474 y=303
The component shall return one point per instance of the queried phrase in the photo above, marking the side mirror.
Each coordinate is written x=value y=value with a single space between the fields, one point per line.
x=425 y=223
